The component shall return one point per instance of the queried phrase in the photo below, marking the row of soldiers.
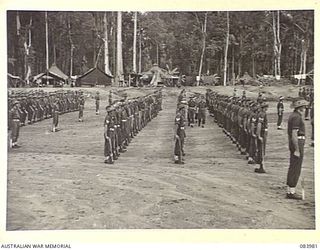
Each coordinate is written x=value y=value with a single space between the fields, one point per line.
x=308 y=95
x=244 y=121
x=36 y=106
x=124 y=120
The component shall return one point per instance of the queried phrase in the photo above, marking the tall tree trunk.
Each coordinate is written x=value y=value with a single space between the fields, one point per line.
x=119 y=46
x=134 y=63
x=303 y=62
x=140 y=50
x=106 y=45
x=204 y=35
x=233 y=73
x=226 y=53
x=277 y=44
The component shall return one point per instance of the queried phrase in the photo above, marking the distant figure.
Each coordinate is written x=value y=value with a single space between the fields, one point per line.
x=191 y=111
x=280 y=109
x=97 y=98
x=296 y=136
x=55 y=115
x=81 y=107
x=14 y=124
x=202 y=112
x=110 y=97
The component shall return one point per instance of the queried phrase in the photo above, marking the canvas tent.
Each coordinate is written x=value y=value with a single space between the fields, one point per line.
x=53 y=76
x=94 y=76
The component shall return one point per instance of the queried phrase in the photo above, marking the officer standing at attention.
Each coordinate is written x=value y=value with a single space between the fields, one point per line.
x=280 y=109
x=262 y=133
x=97 y=98
x=180 y=134
x=14 y=123
x=108 y=128
x=296 y=136
x=202 y=112
x=191 y=111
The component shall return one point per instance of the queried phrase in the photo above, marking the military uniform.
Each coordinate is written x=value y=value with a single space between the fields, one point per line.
x=262 y=133
x=97 y=98
x=191 y=111
x=202 y=112
x=180 y=134
x=280 y=110
x=296 y=135
x=14 y=124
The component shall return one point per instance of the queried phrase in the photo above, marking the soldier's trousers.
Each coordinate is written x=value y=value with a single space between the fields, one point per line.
x=306 y=114
x=279 y=120
x=107 y=147
x=81 y=111
x=201 y=117
x=15 y=130
x=253 y=147
x=191 y=114
x=23 y=117
x=179 y=146
x=30 y=114
x=55 y=119
x=295 y=165
x=97 y=107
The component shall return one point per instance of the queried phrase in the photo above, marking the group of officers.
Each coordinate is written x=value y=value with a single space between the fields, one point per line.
x=124 y=119
x=28 y=107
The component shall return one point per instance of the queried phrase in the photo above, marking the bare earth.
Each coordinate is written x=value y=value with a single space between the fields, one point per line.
x=59 y=181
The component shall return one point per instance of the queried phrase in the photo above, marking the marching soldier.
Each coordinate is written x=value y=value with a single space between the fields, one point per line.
x=280 y=109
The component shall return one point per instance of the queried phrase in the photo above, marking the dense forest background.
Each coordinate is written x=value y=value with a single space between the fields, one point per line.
x=256 y=42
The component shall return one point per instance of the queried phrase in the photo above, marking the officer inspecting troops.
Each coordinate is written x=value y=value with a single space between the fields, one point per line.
x=296 y=135
x=179 y=131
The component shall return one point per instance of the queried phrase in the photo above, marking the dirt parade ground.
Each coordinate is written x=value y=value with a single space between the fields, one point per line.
x=60 y=181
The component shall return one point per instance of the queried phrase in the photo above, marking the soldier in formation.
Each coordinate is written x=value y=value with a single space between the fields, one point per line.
x=179 y=131
x=244 y=121
x=124 y=120
x=280 y=110
x=32 y=106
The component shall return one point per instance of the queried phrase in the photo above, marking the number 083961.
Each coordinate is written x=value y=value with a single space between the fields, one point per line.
x=308 y=246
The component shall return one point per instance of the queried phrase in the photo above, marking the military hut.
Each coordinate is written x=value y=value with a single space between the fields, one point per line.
x=53 y=76
x=94 y=76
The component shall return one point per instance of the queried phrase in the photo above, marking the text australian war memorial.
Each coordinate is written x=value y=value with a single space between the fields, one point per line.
x=160 y=120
